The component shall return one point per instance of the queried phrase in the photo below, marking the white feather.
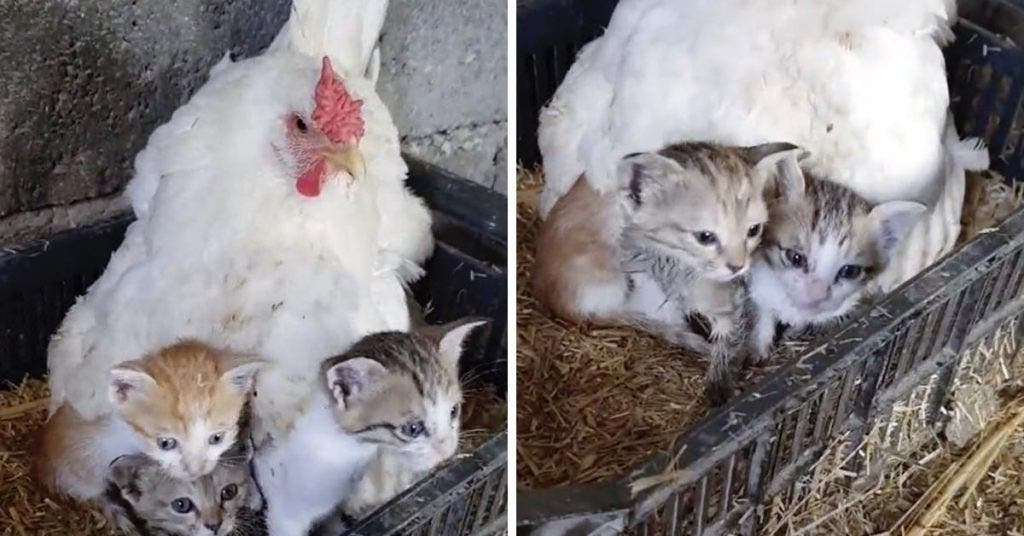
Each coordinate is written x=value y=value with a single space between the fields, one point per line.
x=345 y=30
x=861 y=84
x=332 y=462
x=226 y=251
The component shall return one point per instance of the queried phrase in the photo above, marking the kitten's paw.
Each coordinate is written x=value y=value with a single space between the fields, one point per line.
x=759 y=355
x=688 y=340
x=718 y=392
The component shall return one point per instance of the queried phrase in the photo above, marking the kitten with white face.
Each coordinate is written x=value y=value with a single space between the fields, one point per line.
x=144 y=498
x=823 y=248
x=184 y=404
x=180 y=406
x=391 y=394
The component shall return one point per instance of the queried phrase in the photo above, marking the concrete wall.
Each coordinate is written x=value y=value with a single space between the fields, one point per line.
x=86 y=81
x=444 y=78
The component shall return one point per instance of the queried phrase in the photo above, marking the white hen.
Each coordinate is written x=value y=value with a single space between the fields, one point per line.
x=272 y=218
x=859 y=83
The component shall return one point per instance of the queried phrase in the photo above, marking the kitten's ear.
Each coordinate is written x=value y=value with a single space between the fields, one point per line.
x=240 y=372
x=242 y=449
x=781 y=161
x=128 y=382
x=893 y=220
x=452 y=335
x=643 y=175
x=354 y=379
x=125 y=472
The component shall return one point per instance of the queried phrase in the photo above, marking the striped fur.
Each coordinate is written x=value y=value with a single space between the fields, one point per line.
x=411 y=381
x=416 y=380
x=823 y=249
x=688 y=189
x=139 y=496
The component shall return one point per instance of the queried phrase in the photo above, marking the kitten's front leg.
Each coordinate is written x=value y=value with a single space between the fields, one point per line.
x=719 y=375
x=724 y=356
x=763 y=337
x=683 y=337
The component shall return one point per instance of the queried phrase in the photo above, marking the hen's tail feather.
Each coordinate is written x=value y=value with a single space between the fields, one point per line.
x=970 y=154
x=345 y=30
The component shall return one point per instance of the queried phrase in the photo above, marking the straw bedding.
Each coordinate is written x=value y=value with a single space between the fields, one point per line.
x=26 y=510
x=924 y=485
x=592 y=403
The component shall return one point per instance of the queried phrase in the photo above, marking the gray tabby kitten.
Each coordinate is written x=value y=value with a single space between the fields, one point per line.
x=143 y=499
x=386 y=414
x=824 y=247
x=694 y=214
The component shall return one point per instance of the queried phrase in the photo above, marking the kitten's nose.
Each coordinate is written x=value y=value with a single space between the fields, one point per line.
x=734 y=268
x=817 y=290
x=214 y=527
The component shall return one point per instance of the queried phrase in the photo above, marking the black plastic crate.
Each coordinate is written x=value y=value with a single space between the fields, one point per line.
x=764 y=441
x=465 y=276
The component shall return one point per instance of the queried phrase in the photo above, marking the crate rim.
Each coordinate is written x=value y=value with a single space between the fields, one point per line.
x=394 y=515
x=484 y=219
x=859 y=336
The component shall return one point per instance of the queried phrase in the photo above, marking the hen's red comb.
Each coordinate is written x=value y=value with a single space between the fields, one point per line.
x=339 y=116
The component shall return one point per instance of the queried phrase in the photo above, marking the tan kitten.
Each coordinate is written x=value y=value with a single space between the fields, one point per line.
x=180 y=406
x=674 y=240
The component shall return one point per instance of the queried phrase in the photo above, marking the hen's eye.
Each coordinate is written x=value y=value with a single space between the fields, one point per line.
x=215 y=439
x=850 y=271
x=300 y=124
x=414 y=428
x=455 y=412
x=228 y=492
x=706 y=238
x=795 y=258
x=166 y=443
x=182 y=505
x=754 y=231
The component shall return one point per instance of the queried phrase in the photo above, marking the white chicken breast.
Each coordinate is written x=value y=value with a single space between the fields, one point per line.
x=272 y=218
x=860 y=84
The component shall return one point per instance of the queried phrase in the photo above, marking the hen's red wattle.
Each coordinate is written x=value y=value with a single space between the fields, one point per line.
x=312 y=179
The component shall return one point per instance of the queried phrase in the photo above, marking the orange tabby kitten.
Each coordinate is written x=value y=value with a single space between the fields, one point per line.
x=180 y=406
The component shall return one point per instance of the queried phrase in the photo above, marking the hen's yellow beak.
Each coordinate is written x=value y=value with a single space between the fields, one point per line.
x=346 y=158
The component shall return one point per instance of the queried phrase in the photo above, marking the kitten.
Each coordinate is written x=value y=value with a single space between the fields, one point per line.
x=180 y=406
x=392 y=393
x=674 y=240
x=387 y=474
x=823 y=249
x=142 y=497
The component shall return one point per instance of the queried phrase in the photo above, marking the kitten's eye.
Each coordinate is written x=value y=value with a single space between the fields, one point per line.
x=228 y=492
x=754 y=231
x=182 y=505
x=850 y=271
x=215 y=439
x=706 y=238
x=301 y=125
x=455 y=412
x=795 y=258
x=414 y=428
x=166 y=443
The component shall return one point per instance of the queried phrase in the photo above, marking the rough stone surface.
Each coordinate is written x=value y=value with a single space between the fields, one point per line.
x=443 y=75
x=87 y=81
